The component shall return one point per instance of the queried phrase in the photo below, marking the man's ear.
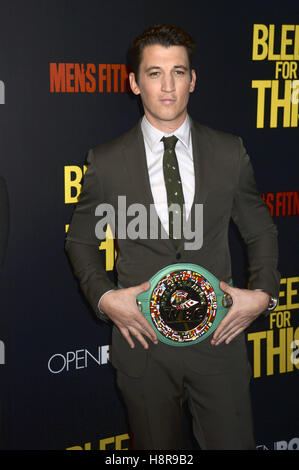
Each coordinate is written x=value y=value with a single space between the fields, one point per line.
x=133 y=84
x=193 y=81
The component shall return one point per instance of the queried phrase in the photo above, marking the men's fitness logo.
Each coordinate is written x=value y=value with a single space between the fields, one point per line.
x=88 y=78
x=2 y=92
x=282 y=203
x=144 y=225
x=2 y=353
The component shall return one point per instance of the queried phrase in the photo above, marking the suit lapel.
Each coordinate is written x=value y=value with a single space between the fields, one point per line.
x=202 y=170
x=202 y=152
x=136 y=165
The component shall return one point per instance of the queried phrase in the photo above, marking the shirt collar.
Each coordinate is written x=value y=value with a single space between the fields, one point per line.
x=153 y=136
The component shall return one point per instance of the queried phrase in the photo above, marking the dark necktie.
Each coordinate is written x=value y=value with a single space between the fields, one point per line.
x=174 y=188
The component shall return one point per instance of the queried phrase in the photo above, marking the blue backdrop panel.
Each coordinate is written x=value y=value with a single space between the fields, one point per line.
x=57 y=386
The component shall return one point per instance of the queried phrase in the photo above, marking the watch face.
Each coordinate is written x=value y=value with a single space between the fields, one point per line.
x=183 y=306
x=272 y=303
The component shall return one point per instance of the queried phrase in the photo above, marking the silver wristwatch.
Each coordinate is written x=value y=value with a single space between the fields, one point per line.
x=272 y=303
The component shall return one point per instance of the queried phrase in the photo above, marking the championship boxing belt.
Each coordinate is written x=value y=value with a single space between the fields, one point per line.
x=184 y=304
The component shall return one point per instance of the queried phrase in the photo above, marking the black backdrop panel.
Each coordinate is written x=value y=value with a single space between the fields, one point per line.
x=57 y=386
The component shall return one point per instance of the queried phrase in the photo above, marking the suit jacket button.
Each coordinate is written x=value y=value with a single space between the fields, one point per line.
x=178 y=256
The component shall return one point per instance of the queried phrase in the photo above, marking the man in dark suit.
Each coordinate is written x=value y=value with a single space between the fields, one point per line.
x=215 y=171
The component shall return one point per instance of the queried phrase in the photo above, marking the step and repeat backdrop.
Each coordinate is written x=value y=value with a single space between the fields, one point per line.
x=64 y=90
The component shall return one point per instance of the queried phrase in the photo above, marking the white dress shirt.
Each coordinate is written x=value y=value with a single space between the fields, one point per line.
x=154 y=149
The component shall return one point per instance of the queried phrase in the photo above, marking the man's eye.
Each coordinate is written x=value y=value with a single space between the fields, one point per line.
x=180 y=72
x=154 y=74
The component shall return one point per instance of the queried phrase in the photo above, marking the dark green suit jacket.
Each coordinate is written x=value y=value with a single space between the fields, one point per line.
x=224 y=184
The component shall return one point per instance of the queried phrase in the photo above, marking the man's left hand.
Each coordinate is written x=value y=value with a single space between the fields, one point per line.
x=247 y=306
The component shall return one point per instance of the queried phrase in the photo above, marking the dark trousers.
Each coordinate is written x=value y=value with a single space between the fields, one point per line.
x=214 y=381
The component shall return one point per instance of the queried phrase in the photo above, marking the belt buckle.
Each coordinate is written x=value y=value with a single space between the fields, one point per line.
x=184 y=304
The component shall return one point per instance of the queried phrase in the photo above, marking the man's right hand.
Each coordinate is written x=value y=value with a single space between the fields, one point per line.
x=121 y=307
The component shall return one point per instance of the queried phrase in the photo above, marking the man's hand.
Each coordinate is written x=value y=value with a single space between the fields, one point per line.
x=247 y=306
x=121 y=307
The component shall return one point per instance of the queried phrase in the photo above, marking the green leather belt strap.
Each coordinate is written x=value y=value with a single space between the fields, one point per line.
x=184 y=304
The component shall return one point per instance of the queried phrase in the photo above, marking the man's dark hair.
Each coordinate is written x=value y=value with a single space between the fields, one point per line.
x=161 y=34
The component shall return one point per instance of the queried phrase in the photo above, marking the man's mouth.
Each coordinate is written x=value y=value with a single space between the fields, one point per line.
x=167 y=101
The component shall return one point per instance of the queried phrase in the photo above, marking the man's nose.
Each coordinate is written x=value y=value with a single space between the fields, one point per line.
x=168 y=83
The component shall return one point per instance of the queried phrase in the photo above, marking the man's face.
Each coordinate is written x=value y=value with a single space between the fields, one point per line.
x=164 y=84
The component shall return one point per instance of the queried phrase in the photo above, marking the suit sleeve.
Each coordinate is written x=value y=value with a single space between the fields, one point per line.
x=256 y=226
x=82 y=244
